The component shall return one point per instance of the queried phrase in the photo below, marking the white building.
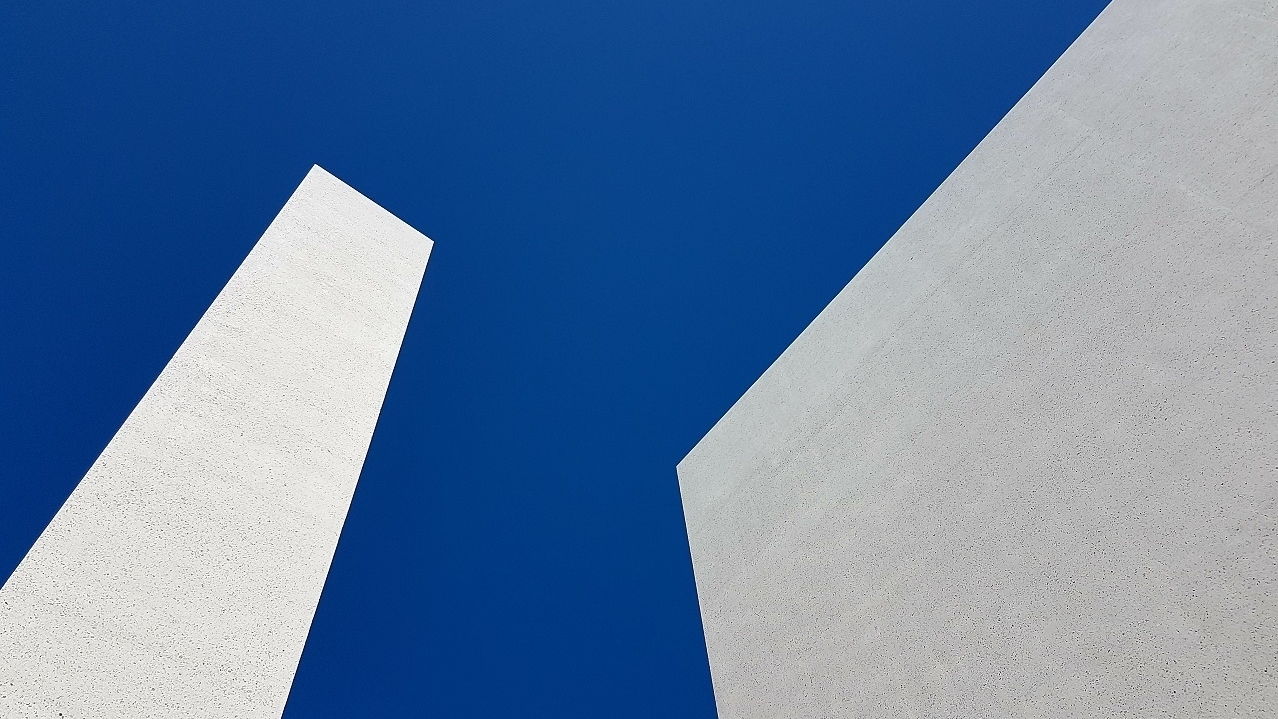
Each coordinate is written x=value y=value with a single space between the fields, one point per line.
x=180 y=577
x=1024 y=464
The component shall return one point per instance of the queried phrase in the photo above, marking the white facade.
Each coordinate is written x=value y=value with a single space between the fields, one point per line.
x=1024 y=465
x=180 y=577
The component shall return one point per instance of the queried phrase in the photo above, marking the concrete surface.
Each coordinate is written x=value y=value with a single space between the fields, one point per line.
x=1025 y=464
x=180 y=577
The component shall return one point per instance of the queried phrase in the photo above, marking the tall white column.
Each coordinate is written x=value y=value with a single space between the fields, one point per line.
x=1024 y=464
x=180 y=577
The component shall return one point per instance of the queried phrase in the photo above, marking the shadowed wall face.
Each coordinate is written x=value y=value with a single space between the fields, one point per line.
x=179 y=579
x=1023 y=464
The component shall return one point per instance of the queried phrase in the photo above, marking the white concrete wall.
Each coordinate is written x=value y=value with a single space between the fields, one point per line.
x=179 y=579
x=1026 y=463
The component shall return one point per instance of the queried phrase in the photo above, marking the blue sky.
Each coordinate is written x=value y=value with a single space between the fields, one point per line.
x=636 y=207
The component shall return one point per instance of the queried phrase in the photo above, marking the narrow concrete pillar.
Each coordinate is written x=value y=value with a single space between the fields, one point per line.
x=180 y=577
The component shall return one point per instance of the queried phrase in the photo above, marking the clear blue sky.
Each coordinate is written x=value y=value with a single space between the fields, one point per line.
x=636 y=207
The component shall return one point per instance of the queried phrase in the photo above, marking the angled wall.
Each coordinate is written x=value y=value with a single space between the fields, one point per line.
x=180 y=577
x=1024 y=464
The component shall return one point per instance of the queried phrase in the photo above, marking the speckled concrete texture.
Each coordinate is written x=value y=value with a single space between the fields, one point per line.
x=1024 y=464
x=180 y=577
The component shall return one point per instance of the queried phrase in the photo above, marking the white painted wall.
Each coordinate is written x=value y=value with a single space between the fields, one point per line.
x=1024 y=465
x=179 y=579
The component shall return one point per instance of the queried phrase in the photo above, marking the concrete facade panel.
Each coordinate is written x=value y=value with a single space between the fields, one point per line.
x=180 y=577
x=1023 y=464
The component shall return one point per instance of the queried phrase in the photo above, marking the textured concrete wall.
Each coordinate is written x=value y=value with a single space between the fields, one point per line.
x=1024 y=465
x=179 y=579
